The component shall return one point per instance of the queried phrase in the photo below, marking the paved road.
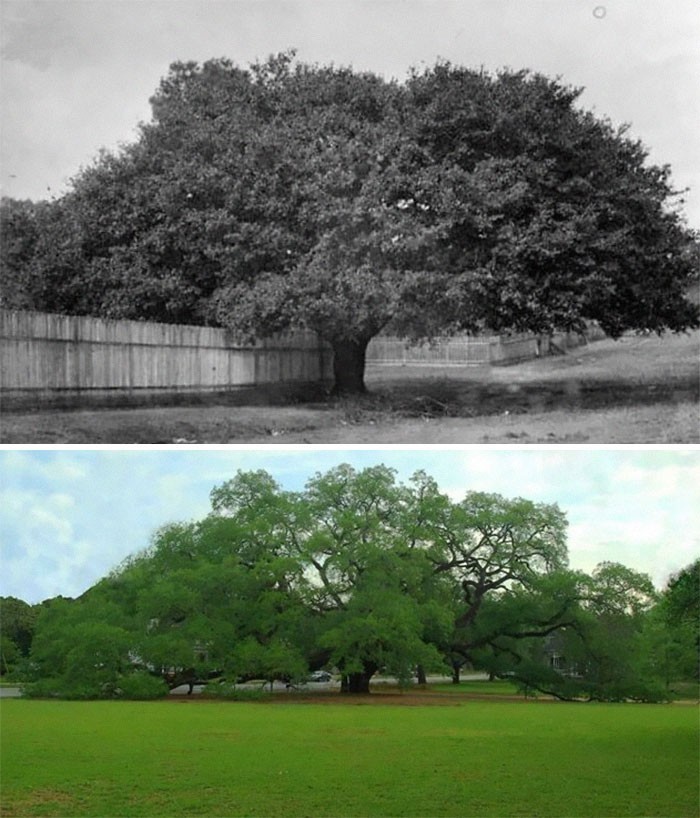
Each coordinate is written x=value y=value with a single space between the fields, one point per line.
x=280 y=687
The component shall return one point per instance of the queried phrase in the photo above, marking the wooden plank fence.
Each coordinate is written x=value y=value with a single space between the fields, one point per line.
x=43 y=353
x=47 y=359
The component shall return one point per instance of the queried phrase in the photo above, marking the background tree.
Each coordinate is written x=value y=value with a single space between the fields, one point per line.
x=681 y=597
x=18 y=623
x=673 y=628
x=20 y=231
x=289 y=195
x=81 y=649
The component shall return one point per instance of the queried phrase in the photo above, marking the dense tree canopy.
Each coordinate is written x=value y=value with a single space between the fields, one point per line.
x=17 y=620
x=288 y=194
x=360 y=574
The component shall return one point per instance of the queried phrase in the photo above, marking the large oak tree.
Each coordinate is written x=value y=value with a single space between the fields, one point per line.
x=356 y=571
x=291 y=195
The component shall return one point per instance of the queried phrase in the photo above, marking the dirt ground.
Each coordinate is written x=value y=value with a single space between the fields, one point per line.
x=410 y=698
x=640 y=389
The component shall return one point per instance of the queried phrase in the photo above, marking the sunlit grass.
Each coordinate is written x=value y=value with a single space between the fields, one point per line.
x=473 y=758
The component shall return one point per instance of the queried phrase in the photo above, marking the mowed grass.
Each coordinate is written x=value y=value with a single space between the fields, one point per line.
x=479 y=687
x=293 y=759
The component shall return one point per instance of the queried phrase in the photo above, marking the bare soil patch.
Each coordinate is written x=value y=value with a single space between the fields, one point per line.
x=640 y=389
x=401 y=698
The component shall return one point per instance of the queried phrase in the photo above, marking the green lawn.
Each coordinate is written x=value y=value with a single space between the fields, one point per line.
x=498 y=687
x=302 y=759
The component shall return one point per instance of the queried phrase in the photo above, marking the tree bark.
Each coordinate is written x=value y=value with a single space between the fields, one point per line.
x=455 y=673
x=420 y=674
x=357 y=682
x=349 y=367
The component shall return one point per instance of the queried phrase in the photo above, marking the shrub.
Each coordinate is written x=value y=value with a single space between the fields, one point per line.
x=59 y=688
x=41 y=689
x=141 y=685
x=228 y=690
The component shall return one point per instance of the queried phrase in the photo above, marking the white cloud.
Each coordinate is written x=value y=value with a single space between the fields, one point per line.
x=37 y=534
x=68 y=517
x=54 y=466
x=46 y=526
x=638 y=508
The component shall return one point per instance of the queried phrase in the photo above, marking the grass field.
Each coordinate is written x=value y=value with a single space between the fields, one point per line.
x=464 y=758
x=497 y=687
x=641 y=389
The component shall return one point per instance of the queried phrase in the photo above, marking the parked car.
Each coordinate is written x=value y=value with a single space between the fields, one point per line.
x=320 y=676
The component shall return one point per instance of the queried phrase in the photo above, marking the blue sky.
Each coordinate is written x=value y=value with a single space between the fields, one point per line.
x=68 y=516
x=77 y=74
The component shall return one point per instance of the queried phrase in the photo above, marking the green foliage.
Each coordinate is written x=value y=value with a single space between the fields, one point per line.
x=672 y=631
x=74 y=686
x=681 y=598
x=17 y=622
x=9 y=654
x=83 y=646
x=362 y=573
x=140 y=685
x=271 y=660
x=596 y=645
x=60 y=688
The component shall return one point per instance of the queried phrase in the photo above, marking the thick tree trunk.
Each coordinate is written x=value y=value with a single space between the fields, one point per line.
x=357 y=682
x=349 y=367
x=420 y=675
x=455 y=673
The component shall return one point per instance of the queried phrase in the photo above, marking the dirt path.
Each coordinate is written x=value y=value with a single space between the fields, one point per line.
x=651 y=424
x=637 y=390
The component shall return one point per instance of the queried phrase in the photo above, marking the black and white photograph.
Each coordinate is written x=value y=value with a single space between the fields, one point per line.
x=411 y=221
x=349 y=408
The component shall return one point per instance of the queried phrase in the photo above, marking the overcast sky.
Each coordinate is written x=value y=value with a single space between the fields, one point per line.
x=68 y=516
x=77 y=74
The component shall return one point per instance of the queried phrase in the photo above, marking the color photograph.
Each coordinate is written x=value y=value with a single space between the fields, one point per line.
x=268 y=632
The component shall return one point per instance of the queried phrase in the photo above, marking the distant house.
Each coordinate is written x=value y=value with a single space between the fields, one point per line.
x=555 y=653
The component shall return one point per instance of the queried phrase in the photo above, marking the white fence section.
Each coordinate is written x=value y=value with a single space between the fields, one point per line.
x=42 y=352
x=465 y=350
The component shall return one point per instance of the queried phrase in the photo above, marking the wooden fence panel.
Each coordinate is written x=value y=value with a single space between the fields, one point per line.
x=44 y=353
x=40 y=351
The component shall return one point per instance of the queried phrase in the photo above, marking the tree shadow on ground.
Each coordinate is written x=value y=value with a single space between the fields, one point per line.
x=481 y=397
